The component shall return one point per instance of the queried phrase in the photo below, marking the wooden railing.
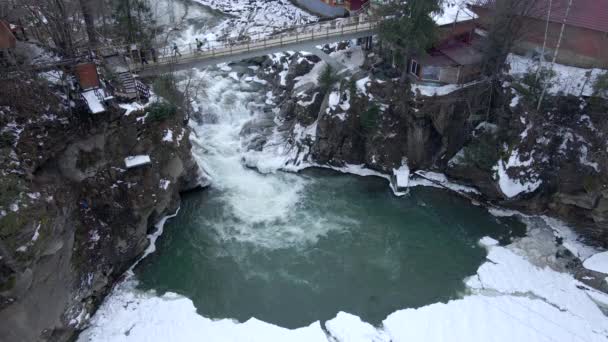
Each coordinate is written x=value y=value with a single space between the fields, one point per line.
x=221 y=48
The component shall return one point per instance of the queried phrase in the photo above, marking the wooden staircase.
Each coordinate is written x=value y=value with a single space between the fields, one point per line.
x=131 y=88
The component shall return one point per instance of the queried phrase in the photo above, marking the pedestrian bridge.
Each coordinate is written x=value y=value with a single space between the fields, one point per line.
x=302 y=38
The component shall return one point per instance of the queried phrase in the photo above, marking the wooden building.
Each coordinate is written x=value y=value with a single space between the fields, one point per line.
x=585 y=39
x=454 y=59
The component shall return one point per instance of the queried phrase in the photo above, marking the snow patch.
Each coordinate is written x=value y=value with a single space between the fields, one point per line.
x=135 y=161
x=597 y=262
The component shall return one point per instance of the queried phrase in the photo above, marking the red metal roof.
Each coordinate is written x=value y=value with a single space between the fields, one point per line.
x=589 y=14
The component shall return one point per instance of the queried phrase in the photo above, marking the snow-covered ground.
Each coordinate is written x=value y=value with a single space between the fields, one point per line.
x=568 y=79
x=244 y=18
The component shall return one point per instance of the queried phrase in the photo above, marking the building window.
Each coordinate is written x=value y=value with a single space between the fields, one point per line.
x=415 y=68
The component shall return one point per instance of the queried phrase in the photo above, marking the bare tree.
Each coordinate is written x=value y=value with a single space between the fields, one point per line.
x=56 y=23
x=556 y=52
x=505 y=29
x=89 y=19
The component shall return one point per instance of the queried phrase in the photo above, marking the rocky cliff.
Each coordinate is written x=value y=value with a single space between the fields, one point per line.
x=552 y=161
x=73 y=218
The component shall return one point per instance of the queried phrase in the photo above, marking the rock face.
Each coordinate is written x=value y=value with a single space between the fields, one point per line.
x=553 y=162
x=77 y=218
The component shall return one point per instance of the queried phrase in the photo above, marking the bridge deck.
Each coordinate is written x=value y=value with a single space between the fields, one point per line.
x=297 y=39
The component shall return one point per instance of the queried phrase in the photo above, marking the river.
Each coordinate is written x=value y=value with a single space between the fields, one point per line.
x=290 y=249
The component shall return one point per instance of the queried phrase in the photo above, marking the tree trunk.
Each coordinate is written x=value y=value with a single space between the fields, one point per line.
x=89 y=21
x=542 y=54
x=129 y=20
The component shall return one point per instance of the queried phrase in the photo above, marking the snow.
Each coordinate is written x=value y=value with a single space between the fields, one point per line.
x=509 y=273
x=439 y=90
x=139 y=160
x=246 y=18
x=352 y=58
x=311 y=78
x=402 y=176
x=308 y=103
x=439 y=180
x=454 y=11
x=350 y=328
x=168 y=136
x=95 y=105
x=172 y=317
x=597 y=262
x=131 y=107
x=488 y=318
x=164 y=184
x=568 y=79
x=512 y=187
x=362 y=85
x=487 y=241
x=334 y=100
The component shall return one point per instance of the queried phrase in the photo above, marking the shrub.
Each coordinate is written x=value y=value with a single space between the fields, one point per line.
x=7 y=139
x=483 y=152
x=531 y=85
x=327 y=78
x=369 y=119
x=166 y=88
x=161 y=111
x=600 y=86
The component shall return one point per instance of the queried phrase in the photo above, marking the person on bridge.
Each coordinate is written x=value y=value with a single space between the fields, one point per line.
x=142 y=57
x=176 y=50
x=199 y=45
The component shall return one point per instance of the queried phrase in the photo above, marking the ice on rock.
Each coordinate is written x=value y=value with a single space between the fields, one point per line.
x=402 y=176
x=511 y=274
x=489 y=319
x=597 y=262
x=487 y=241
x=132 y=315
x=350 y=328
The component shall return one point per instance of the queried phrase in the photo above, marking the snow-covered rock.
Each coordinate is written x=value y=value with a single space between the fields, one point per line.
x=597 y=262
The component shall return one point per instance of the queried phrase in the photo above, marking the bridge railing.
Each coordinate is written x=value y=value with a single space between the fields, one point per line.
x=220 y=48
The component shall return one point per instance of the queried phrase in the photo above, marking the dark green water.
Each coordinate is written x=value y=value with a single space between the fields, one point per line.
x=347 y=244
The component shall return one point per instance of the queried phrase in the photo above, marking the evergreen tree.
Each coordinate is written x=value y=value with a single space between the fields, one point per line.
x=408 y=26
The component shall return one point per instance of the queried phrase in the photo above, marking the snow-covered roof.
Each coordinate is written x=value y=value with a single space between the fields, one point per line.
x=95 y=105
x=135 y=161
x=454 y=11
